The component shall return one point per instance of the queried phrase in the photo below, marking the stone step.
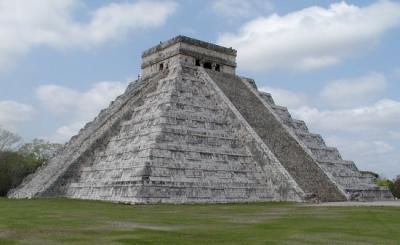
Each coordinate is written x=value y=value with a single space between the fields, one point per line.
x=357 y=187
x=250 y=81
x=47 y=180
x=282 y=112
x=341 y=161
x=347 y=175
x=371 y=194
x=326 y=153
x=299 y=126
x=311 y=140
x=267 y=97
x=340 y=168
x=352 y=180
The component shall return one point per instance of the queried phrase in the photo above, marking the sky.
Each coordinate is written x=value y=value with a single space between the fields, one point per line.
x=334 y=64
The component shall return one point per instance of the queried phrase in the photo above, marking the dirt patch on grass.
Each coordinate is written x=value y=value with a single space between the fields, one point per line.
x=330 y=238
x=119 y=225
x=255 y=218
x=279 y=213
x=320 y=213
x=7 y=233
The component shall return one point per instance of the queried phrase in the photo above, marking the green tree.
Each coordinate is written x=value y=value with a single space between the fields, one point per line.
x=383 y=182
x=14 y=167
x=395 y=187
x=8 y=140
x=40 y=149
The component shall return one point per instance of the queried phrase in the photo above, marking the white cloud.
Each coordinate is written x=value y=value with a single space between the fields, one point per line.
x=286 y=98
x=27 y=24
x=394 y=135
x=373 y=153
x=354 y=92
x=311 y=38
x=238 y=8
x=64 y=133
x=75 y=106
x=12 y=113
x=384 y=114
x=360 y=148
x=60 y=100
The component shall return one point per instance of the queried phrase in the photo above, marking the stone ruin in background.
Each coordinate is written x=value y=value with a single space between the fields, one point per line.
x=191 y=131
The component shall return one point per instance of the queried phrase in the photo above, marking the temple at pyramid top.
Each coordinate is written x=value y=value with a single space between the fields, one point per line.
x=189 y=52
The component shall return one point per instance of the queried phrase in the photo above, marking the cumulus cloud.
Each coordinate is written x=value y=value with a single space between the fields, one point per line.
x=311 y=38
x=13 y=113
x=354 y=92
x=237 y=8
x=378 y=154
x=60 y=100
x=27 y=24
x=384 y=114
x=285 y=97
x=361 y=148
x=75 y=106
x=64 y=133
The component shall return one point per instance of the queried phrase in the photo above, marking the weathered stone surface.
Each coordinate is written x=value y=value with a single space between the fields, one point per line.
x=345 y=173
x=180 y=143
x=304 y=169
x=187 y=134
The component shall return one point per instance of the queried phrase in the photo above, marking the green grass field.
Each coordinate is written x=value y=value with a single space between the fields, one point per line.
x=60 y=221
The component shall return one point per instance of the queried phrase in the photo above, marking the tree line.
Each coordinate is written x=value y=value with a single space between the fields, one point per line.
x=18 y=160
x=393 y=185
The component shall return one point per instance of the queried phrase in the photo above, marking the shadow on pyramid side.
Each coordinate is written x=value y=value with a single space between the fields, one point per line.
x=191 y=131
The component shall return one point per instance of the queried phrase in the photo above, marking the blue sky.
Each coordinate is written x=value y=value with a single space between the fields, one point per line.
x=334 y=64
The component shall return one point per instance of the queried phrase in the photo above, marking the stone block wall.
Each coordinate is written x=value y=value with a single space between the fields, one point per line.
x=345 y=173
x=48 y=179
x=293 y=156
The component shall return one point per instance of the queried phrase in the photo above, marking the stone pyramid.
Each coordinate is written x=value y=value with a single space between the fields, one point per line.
x=191 y=131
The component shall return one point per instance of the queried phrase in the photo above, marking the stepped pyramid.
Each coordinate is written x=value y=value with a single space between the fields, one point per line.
x=191 y=131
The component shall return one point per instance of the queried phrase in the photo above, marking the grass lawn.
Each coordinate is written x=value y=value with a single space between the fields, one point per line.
x=60 y=221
